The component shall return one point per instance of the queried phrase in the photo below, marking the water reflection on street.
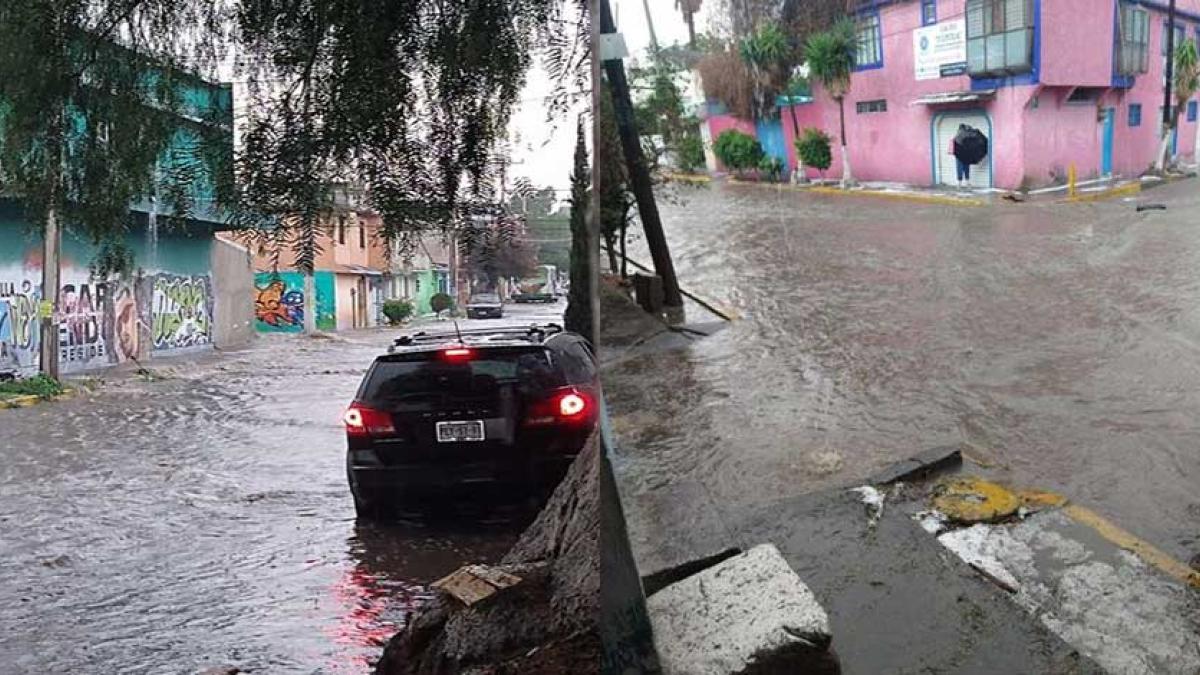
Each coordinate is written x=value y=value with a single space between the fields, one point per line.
x=204 y=520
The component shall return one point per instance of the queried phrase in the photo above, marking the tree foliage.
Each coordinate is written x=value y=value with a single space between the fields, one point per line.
x=500 y=250
x=407 y=100
x=91 y=95
x=578 y=316
x=830 y=57
x=738 y=151
x=813 y=148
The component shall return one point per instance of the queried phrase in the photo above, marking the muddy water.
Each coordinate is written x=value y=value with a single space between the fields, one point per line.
x=204 y=520
x=1059 y=345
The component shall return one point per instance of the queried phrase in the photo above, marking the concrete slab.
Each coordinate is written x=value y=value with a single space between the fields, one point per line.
x=748 y=614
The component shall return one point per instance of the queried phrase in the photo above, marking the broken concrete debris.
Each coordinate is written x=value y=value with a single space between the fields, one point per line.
x=475 y=583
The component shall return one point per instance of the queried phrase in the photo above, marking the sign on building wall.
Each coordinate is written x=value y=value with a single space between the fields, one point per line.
x=940 y=50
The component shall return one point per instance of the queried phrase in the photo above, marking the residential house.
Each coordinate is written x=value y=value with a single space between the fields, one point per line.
x=348 y=278
x=1052 y=83
x=418 y=273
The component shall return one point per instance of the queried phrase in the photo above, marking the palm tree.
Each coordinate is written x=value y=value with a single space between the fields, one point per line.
x=1187 y=81
x=830 y=57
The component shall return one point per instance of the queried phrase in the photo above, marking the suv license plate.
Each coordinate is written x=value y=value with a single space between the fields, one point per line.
x=459 y=432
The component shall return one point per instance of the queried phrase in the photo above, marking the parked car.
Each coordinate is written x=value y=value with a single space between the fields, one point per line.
x=485 y=306
x=455 y=413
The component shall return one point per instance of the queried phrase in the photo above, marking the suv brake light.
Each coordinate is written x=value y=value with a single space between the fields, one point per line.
x=564 y=406
x=458 y=354
x=361 y=420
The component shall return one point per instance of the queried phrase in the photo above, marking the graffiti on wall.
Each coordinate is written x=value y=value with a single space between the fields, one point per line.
x=277 y=307
x=19 y=325
x=279 y=301
x=181 y=312
x=81 y=340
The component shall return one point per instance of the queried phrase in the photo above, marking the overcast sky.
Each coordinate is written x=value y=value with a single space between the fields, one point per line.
x=546 y=150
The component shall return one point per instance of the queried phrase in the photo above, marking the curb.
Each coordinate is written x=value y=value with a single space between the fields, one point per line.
x=688 y=177
x=899 y=196
x=27 y=400
x=1119 y=191
x=862 y=192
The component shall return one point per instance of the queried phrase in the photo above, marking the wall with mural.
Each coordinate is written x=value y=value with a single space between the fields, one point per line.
x=180 y=311
x=103 y=321
x=279 y=301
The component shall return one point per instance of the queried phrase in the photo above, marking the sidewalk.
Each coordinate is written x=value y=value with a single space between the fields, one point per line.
x=1086 y=191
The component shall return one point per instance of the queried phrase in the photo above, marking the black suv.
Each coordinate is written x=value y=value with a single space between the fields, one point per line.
x=505 y=408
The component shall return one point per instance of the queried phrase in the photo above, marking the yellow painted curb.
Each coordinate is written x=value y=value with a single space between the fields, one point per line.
x=967 y=499
x=1112 y=532
x=688 y=177
x=1041 y=498
x=899 y=196
x=1120 y=191
x=27 y=400
x=1143 y=549
x=19 y=401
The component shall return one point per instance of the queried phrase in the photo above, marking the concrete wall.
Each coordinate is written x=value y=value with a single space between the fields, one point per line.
x=233 y=294
x=166 y=306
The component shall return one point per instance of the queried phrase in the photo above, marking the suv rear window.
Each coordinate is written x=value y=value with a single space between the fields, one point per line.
x=426 y=380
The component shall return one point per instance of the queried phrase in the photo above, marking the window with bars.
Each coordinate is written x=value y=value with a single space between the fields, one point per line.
x=869 y=53
x=341 y=228
x=999 y=37
x=1133 y=40
x=1191 y=111
x=362 y=233
x=1135 y=114
x=928 y=12
x=871 y=106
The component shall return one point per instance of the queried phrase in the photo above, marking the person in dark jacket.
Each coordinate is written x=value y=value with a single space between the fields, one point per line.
x=962 y=168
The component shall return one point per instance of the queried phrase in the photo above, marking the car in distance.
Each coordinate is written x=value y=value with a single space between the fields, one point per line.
x=468 y=412
x=485 y=306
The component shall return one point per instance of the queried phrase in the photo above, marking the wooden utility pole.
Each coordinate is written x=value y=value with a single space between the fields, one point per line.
x=639 y=174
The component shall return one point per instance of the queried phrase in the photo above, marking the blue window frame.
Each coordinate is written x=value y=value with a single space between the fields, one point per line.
x=928 y=12
x=869 y=53
x=1135 y=114
x=1191 y=113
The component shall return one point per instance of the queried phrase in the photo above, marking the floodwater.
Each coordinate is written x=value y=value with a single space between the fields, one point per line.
x=204 y=520
x=1058 y=345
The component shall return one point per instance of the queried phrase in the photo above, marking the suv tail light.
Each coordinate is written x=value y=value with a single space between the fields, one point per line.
x=564 y=406
x=362 y=420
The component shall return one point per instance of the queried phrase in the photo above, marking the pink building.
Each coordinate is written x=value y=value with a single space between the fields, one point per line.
x=1050 y=82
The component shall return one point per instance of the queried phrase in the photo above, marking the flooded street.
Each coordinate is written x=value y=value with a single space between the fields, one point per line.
x=1058 y=345
x=204 y=520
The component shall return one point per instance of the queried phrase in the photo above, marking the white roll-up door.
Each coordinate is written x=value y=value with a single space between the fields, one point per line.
x=945 y=127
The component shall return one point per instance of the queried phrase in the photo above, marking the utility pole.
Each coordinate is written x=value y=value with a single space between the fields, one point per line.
x=1168 y=118
x=650 y=25
x=639 y=174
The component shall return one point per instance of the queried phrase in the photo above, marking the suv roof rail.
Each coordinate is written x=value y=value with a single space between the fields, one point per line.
x=535 y=332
